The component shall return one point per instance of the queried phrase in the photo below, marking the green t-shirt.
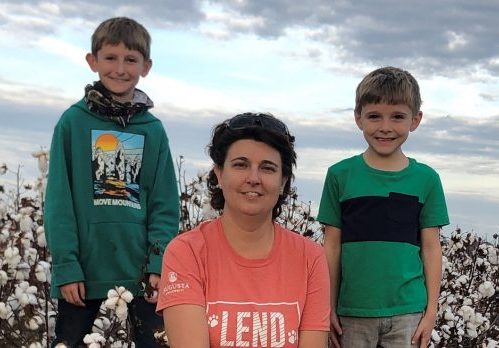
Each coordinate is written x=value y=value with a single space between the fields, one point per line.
x=380 y=215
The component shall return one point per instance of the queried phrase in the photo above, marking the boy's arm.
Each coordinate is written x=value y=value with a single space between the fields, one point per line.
x=59 y=217
x=332 y=244
x=163 y=209
x=431 y=253
x=309 y=338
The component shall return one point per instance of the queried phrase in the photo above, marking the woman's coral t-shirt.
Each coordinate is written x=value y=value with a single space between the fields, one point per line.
x=249 y=303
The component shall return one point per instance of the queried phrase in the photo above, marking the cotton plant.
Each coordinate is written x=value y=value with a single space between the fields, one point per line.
x=468 y=304
x=111 y=328
x=26 y=311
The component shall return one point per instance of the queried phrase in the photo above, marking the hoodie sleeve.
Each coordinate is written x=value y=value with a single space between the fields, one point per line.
x=163 y=208
x=60 y=221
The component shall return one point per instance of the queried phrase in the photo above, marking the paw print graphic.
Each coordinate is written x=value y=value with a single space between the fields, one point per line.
x=213 y=320
x=292 y=337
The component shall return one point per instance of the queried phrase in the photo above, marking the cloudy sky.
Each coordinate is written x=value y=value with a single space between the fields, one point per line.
x=300 y=60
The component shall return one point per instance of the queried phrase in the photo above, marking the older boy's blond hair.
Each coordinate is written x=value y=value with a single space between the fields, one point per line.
x=388 y=85
x=124 y=30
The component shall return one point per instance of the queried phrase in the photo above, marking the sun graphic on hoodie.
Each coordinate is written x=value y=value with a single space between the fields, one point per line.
x=107 y=142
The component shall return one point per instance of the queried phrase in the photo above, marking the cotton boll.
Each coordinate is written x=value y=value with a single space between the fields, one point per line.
x=102 y=323
x=122 y=312
x=106 y=323
x=449 y=316
x=34 y=323
x=31 y=254
x=40 y=237
x=112 y=302
x=492 y=343
x=471 y=332
x=463 y=279
x=121 y=302
x=25 y=294
x=486 y=289
x=98 y=325
x=127 y=296
x=94 y=340
x=23 y=270
x=43 y=158
x=435 y=337
x=26 y=223
x=3 y=278
x=5 y=310
x=493 y=255
x=112 y=293
x=450 y=299
x=466 y=312
x=40 y=274
x=12 y=256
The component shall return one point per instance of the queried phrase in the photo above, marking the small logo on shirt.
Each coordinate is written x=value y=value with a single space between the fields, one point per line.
x=172 y=277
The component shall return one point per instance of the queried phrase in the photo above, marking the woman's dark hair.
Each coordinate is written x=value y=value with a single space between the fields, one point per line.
x=264 y=128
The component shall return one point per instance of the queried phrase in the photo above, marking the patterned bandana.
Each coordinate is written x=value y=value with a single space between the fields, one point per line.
x=100 y=101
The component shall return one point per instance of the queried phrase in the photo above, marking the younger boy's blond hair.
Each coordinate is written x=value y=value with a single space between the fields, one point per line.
x=122 y=30
x=388 y=85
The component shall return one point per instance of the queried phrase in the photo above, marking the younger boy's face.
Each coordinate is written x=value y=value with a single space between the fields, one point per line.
x=386 y=127
x=119 y=69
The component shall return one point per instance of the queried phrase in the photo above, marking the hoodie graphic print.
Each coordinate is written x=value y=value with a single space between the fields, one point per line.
x=116 y=164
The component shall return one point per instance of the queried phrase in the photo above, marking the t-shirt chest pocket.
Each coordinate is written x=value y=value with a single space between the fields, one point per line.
x=403 y=208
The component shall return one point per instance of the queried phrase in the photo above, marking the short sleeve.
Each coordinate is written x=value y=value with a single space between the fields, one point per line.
x=434 y=211
x=329 y=207
x=317 y=309
x=182 y=276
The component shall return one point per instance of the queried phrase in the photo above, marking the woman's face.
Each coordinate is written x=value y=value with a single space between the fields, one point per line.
x=251 y=178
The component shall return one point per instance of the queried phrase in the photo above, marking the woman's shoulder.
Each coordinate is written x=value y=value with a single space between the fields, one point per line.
x=297 y=241
x=197 y=237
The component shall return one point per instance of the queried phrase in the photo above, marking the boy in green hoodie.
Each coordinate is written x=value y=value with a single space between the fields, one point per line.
x=112 y=200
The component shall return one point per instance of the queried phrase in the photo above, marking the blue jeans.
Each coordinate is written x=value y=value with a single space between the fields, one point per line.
x=74 y=322
x=383 y=332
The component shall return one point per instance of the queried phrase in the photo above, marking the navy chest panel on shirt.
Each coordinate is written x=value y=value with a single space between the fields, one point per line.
x=392 y=219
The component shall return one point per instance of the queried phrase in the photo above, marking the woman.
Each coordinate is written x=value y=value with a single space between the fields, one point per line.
x=241 y=280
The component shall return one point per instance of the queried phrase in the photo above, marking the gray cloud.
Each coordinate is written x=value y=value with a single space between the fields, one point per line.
x=430 y=37
x=31 y=18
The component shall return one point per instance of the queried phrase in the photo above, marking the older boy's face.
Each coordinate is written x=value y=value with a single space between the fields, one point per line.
x=119 y=69
x=386 y=127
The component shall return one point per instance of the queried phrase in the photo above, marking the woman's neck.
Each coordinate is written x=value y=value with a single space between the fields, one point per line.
x=249 y=237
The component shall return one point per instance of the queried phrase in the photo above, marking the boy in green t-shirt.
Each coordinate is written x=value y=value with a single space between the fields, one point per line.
x=382 y=213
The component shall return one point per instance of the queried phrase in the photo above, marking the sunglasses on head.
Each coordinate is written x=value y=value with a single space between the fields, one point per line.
x=258 y=120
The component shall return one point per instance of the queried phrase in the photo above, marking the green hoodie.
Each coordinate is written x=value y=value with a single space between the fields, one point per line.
x=111 y=198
